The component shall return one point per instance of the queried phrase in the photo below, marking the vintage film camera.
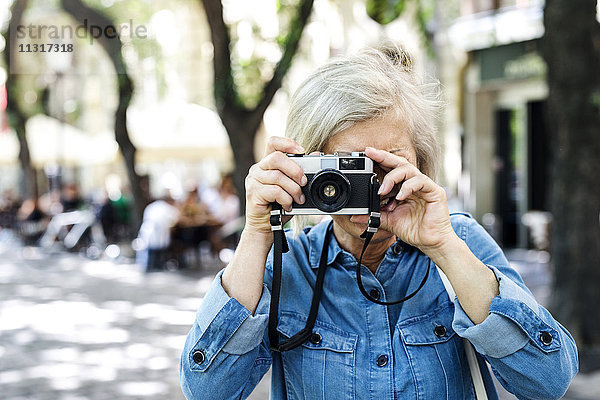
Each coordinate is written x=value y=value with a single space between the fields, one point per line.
x=338 y=183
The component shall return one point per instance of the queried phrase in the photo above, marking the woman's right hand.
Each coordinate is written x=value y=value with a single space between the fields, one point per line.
x=274 y=179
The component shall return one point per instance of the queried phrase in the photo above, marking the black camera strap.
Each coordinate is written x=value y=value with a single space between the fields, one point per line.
x=372 y=227
x=280 y=246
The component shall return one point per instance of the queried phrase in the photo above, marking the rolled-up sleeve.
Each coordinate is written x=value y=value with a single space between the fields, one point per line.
x=225 y=333
x=497 y=336
x=532 y=355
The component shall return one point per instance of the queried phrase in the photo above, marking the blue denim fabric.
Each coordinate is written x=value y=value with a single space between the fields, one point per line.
x=355 y=333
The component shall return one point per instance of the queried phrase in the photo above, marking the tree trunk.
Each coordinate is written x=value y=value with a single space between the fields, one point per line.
x=113 y=46
x=242 y=145
x=241 y=127
x=572 y=52
x=17 y=119
x=242 y=124
x=29 y=183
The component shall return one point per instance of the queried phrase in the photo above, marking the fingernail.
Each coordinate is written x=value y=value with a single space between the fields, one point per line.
x=399 y=195
x=381 y=188
x=302 y=199
x=303 y=181
x=300 y=149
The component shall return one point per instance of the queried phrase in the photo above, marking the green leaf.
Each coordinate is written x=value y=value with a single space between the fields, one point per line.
x=385 y=11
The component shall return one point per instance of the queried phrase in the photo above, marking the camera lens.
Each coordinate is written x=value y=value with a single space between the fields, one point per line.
x=330 y=190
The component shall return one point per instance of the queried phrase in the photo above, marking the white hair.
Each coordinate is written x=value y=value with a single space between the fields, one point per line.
x=360 y=87
x=350 y=89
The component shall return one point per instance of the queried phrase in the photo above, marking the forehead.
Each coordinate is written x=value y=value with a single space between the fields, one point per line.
x=385 y=133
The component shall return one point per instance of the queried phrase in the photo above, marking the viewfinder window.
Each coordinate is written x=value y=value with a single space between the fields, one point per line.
x=355 y=164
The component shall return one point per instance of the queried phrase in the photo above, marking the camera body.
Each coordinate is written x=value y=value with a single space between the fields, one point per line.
x=338 y=183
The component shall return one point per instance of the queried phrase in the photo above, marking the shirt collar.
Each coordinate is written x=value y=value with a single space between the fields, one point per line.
x=316 y=237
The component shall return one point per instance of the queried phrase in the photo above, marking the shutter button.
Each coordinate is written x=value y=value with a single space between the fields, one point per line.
x=382 y=360
x=198 y=357
x=546 y=338
x=374 y=293
x=316 y=338
x=440 y=331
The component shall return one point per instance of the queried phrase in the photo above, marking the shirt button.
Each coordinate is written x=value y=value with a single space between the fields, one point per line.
x=546 y=338
x=316 y=338
x=440 y=331
x=397 y=249
x=374 y=293
x=198 y=357
x=382 y=360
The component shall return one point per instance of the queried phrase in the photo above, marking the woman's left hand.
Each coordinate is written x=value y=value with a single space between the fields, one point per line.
x=419 y=215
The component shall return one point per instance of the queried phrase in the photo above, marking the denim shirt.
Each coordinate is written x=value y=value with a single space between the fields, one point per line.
x=368 y=351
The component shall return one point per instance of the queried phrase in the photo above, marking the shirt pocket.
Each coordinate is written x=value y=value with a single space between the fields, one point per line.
x=324 y=366
x=436 y=355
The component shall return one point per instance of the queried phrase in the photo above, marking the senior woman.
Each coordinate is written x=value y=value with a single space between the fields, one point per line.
x=375 y=103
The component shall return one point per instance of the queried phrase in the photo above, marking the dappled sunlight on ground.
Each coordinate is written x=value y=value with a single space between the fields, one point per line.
x=72 y=328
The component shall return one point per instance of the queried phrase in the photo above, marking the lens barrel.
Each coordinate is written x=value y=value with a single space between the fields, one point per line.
x=330 y=190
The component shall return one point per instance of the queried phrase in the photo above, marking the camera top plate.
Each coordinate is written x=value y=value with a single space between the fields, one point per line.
x=335 y=154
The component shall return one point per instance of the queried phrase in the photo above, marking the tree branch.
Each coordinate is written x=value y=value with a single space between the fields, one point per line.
x=82 y=12
x=290 y=47
x=224 y=88
x=112 y=46
x=16 y=117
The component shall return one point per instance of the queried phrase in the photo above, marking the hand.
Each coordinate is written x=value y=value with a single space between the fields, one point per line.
x=419 y=215
x=275 y=178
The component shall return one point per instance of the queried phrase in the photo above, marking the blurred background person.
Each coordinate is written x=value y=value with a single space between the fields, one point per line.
x=9 y=205
x=70 y=198
x=224 y=205
x=193 y=227
x=229 y=202
x=31 y=221
x=160 y=217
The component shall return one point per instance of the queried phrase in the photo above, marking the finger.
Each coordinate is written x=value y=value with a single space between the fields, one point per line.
x=279 y=161
x=276 y=177
x=421 y=186
x=283 y=144
x=385 y=159
x=397 y=175
x=267 y=194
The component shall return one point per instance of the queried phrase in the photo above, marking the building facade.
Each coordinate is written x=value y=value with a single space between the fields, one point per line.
x=503 y=90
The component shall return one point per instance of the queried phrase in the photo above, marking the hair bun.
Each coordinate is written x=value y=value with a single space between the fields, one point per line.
x=398 y=57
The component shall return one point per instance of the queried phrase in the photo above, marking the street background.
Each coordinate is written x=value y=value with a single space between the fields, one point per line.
x=127 y=128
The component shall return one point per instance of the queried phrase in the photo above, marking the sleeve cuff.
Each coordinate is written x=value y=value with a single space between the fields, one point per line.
x=251 y=332
x=227 y=325
x=213 y=302
x=507 y=328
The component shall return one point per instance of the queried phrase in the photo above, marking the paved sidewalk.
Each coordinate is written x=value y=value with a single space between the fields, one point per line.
x=76 y=329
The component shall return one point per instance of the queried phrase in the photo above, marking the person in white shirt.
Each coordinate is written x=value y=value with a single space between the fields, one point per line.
x=159 y=218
